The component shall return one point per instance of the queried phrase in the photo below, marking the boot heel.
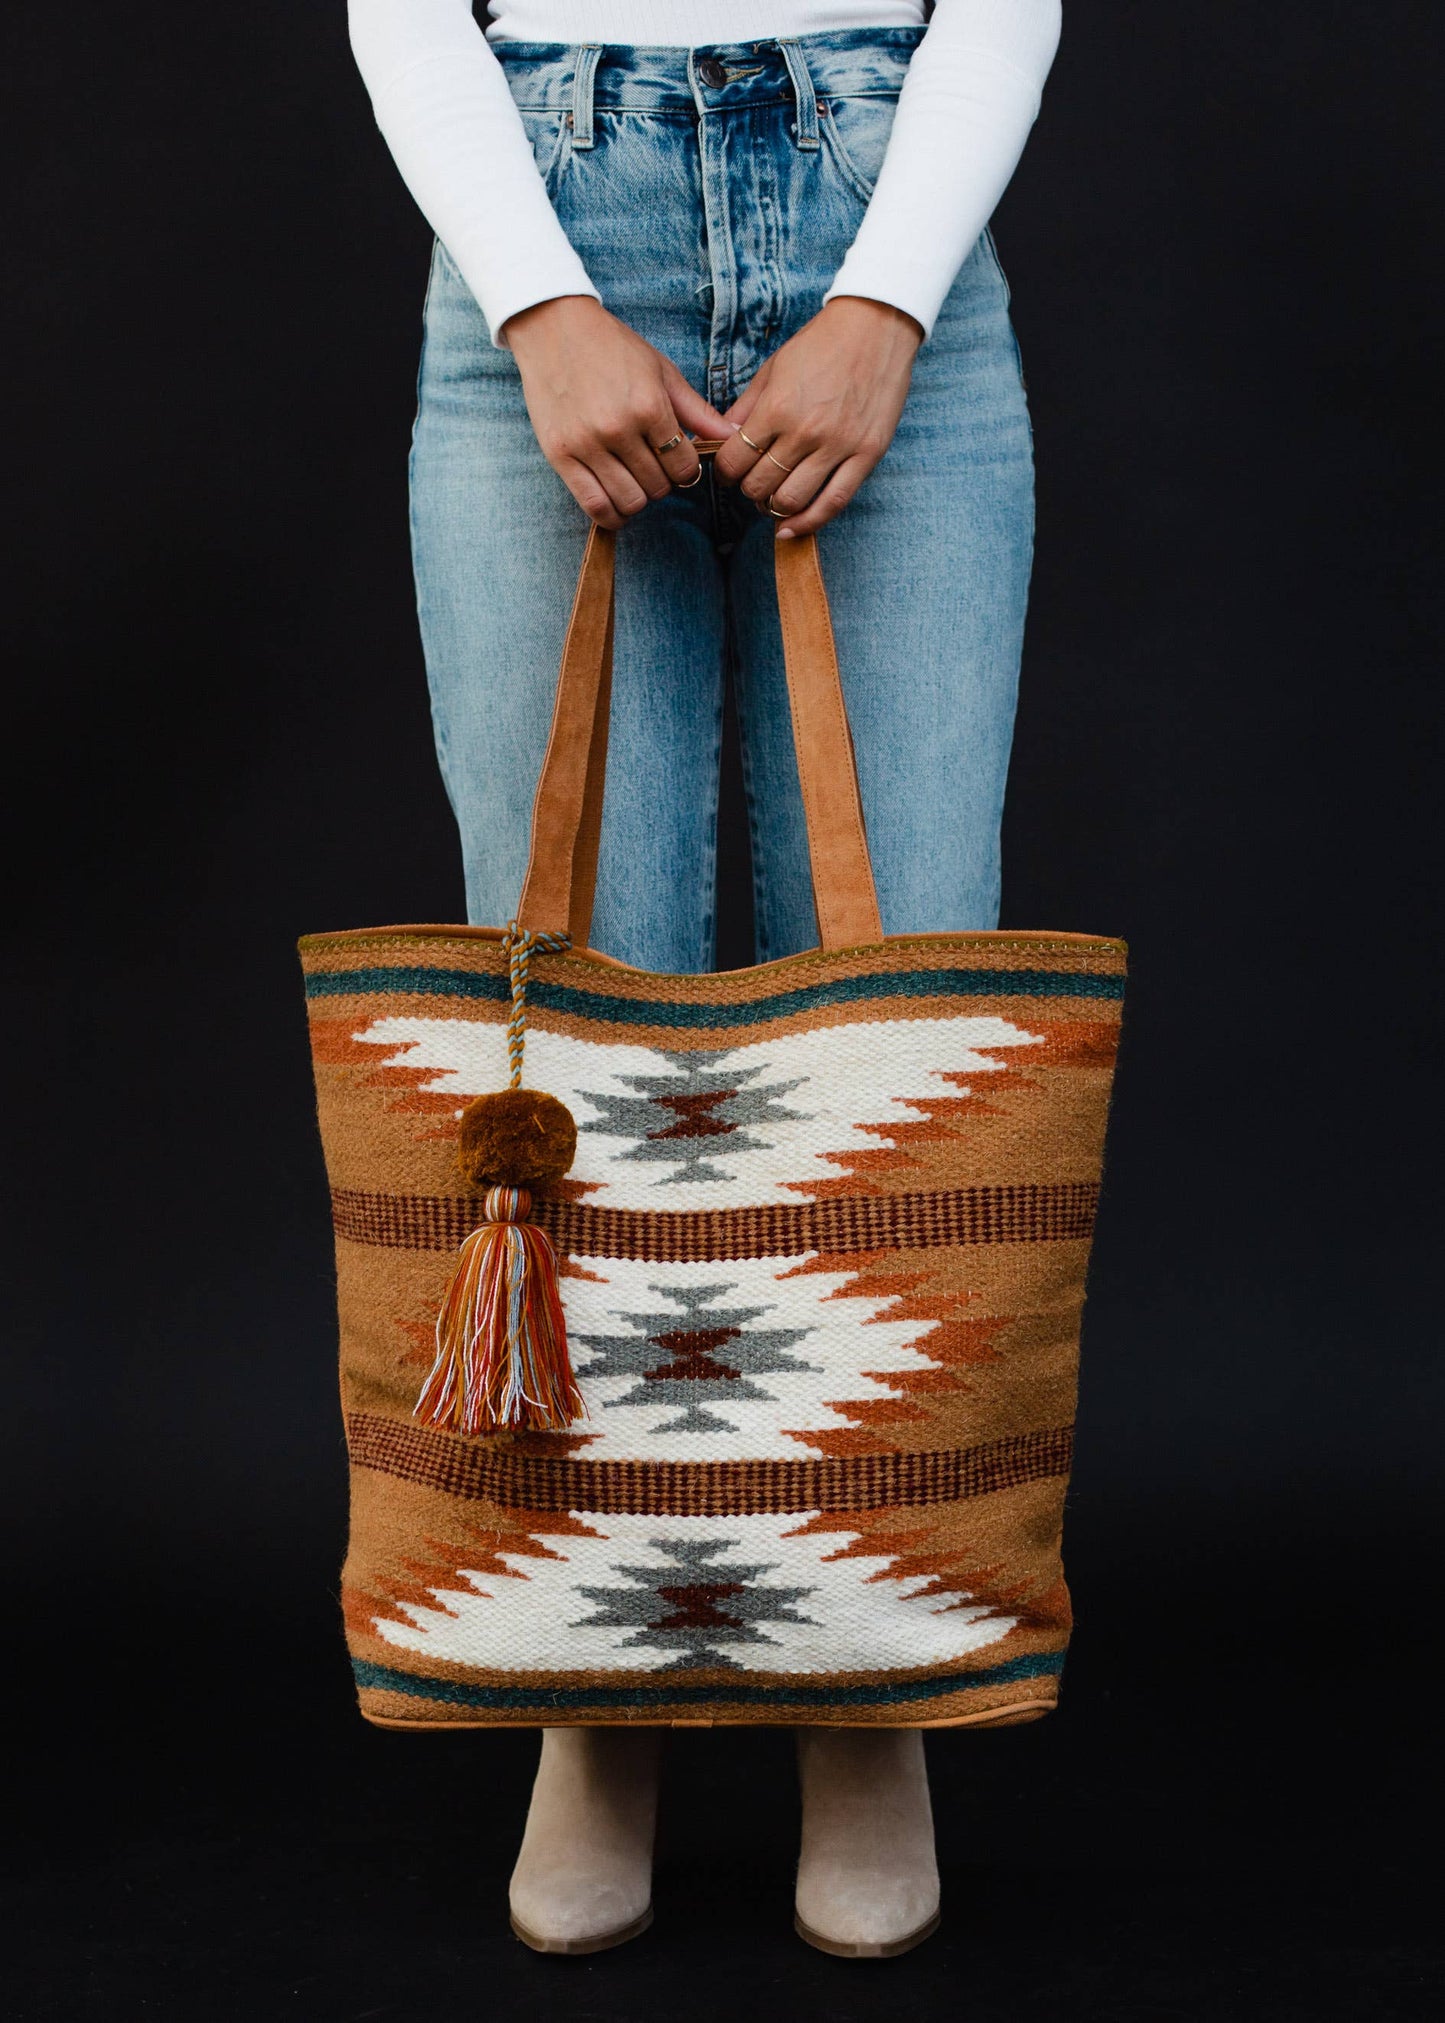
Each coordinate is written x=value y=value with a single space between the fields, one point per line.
x=843 y=1949
x=597 y=1942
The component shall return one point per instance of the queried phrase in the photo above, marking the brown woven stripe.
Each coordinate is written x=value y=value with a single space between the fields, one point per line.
x=1059 y=1212
x=480 y=1469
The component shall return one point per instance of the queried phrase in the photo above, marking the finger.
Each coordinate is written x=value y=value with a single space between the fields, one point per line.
x=830 y=501
x=741 y=453
x=640 y=459
x=617 y=480
x=780 y=460
x=681 y=462
x=632 y=444
x=589 y=494
x=675 y=455
x=736 y=457
x=692 y=411
x=792 y=493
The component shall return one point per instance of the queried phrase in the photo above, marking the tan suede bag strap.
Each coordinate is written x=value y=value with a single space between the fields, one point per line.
x=567 y=813
x=843 y=894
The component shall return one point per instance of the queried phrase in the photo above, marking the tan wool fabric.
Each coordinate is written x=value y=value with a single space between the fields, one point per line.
x=823 y=1248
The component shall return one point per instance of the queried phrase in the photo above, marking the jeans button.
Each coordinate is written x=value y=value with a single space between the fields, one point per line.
x=711 y=73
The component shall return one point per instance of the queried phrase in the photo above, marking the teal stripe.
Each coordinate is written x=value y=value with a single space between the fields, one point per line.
x=1041 y=1665
x=410 y=983
x=913 y=983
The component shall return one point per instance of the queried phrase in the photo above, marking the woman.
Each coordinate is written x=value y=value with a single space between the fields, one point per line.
x=761 y=221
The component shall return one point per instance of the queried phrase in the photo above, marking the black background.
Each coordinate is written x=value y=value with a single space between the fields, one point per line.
x=1227 y=752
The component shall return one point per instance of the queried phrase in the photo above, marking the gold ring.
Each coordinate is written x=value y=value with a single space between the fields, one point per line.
x=789 y=468
x=661 y=449
x=686 y=484
x=750 y=443
x=786 y=514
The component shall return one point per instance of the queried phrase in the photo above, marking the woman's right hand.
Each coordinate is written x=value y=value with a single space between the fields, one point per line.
x=603 y=404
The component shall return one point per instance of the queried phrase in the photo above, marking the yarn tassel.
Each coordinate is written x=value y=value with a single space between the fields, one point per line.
x=501 y=1335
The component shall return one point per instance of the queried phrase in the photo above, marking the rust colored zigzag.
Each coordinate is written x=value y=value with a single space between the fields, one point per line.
x=423 y=1338
x=960 y=1572
x=425 y=1581
x=1074 y=1043
x=953 y=1339
x=335 y=1045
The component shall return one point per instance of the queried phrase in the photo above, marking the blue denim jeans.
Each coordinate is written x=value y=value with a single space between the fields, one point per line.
x=712 y=216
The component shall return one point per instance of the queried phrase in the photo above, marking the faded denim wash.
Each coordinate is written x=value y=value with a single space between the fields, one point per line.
x=712 y=218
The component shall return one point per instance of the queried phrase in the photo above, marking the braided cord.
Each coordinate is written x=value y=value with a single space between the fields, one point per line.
x=520 y=945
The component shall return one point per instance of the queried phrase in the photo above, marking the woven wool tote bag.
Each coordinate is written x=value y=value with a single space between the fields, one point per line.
x=822 y=1252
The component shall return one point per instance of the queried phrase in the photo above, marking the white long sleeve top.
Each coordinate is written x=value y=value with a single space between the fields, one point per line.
x=441 y=100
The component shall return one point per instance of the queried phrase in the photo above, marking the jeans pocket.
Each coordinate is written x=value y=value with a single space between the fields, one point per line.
x=550 y=134
x=991 y=248
x=855 y=134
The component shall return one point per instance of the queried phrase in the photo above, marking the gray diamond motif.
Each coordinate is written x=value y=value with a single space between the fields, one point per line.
x=683 y=1119
x=695 y=1607
x=704 y=1357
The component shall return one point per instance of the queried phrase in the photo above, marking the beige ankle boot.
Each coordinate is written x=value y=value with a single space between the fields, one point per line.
x=583 y=1879
x=868 y=1873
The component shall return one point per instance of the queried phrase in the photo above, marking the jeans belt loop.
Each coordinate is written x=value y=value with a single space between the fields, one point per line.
x=589 y=55
x=803 y=93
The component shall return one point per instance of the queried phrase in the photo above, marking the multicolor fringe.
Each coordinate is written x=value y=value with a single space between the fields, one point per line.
x=501 y=1337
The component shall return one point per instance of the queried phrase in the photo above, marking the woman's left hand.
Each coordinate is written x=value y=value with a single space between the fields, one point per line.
x=821 y=412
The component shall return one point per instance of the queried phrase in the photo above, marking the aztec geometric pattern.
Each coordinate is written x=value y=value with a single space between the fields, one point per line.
x=823 y=1250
